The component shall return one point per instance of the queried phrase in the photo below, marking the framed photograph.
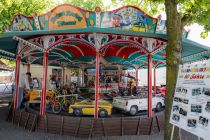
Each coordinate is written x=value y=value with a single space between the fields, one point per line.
x=176 y=99
x=206 y=91
x=183 y=111
x=184 y=101
x=178 y=89
x=181 y=90
x=207 y=108
x=203 y=121
x=196 y=91
x=176 y=117
x=175 y=108
x=196 y=108
x=192 y=123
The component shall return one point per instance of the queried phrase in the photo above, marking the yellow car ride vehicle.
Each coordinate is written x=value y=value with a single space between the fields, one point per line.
x=86 y=107
x=51 y=100
x=35 y=95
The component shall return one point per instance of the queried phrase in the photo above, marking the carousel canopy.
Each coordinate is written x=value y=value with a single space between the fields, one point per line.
x=72 y=36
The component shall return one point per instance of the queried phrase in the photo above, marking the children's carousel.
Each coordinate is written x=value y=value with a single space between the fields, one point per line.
x=96 y=42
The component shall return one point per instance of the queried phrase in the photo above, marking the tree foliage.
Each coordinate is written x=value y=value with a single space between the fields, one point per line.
x=148 y=6
x=9 y=8
x=87 y=4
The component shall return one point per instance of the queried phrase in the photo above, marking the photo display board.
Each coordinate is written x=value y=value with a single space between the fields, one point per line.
x=191 y=103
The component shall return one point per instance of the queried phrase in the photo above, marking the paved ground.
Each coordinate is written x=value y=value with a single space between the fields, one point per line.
x=11 y=132
x=5 y=88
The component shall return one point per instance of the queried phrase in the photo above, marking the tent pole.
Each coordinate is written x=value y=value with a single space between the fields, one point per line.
x=149 y=85
x=44 y=85
x=17 y=79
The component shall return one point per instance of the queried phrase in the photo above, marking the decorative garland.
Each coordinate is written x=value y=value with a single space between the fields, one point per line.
x=7 y=53
x=27 y=43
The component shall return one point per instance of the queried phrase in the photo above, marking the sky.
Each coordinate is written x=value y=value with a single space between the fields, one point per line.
x=194 y=35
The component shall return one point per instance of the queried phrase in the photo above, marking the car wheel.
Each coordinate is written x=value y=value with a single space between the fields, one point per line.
x=158 y=107
x=77 y=112
x=102 y=113
x=133 y=110
x=56 y=108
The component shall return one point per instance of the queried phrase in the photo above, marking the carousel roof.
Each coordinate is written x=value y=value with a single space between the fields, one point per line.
x=72 y=36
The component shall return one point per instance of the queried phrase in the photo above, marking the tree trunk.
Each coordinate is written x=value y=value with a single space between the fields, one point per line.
x=173 y=52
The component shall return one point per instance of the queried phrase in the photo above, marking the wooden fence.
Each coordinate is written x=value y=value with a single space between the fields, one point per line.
x=86 y=127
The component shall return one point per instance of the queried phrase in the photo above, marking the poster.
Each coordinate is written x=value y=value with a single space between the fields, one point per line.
x=191 y=103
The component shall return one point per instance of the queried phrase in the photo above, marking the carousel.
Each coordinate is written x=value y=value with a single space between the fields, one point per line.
x=71 y=37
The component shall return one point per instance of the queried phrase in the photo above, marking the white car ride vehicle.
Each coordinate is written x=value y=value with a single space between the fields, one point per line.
x=133 y=104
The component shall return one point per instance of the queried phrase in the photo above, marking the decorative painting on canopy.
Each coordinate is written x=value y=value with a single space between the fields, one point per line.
x=128 y=18
x=23 y=23
x=67 y=16
x=61 y=17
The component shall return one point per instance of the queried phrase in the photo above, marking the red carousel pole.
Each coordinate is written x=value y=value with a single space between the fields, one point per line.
x=96 y=85
x=17 y=79
x=149 y=85
x=155 y=89
x=44 y=85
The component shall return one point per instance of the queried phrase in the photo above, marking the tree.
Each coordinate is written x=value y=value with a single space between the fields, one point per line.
x=179 y=14
x=9 y=8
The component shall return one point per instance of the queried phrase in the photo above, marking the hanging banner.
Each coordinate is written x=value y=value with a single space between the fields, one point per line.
x=191 y=103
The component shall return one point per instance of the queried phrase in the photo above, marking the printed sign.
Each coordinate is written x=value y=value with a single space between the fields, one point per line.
x=65 y=17
x=191 y=103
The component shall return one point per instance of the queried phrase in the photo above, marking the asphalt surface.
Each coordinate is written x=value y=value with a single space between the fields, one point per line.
x=5 y=88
